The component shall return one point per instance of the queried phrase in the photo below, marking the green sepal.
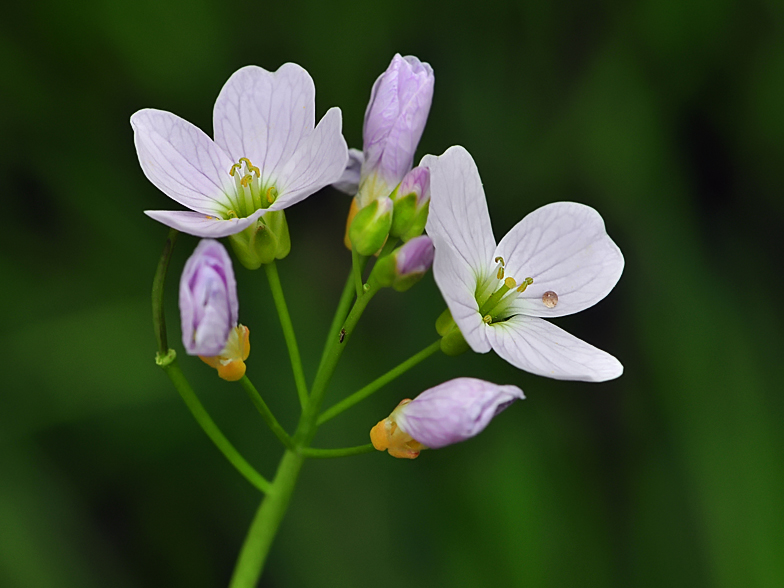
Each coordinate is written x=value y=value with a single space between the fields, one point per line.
x=444 y=322
x=417 y=226
x=404 y=213
x=370 y=226
x=453 y=343
x=264 y=241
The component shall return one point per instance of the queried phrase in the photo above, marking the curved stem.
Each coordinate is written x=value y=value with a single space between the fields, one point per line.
x=266 y=522
x=208 y=425
x=392 y=374
x=266 y=413
x=342 y=452
x=288 y=331
x=158 y=317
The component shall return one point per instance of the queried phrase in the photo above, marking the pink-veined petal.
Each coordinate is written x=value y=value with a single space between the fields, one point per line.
x=320 y=160
x=565 y=248
x=458 y=209
x=348 y=182
x=457 y=282
x=182 y=161
x=202 y=225
x=537 y=346
x=264 y=115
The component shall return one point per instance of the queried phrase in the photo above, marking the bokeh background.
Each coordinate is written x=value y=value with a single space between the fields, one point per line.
x=665 y=115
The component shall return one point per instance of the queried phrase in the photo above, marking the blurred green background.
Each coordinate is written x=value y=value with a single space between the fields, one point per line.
x=667 y=116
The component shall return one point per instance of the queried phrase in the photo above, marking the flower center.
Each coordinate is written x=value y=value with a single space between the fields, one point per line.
x=249 y=193
x=498 y=301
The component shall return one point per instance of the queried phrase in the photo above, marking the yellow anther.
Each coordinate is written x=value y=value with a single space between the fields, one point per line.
x=510 y=283
x=500 y=260
x=231 y=214
x=272 y=193
x=251 y=167
x=500 y=274
x=234 y=168
x=246 y=179
x=487 y=319
x=525 y=283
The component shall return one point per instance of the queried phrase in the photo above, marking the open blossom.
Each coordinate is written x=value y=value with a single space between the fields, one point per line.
x=266 y=155
x=448 y=413
x=209 y=308
x=557 y=261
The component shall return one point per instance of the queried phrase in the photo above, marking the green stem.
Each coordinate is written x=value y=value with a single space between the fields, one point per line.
x=266 y=522
x=208 y=425
x=288 y=331
x=158 y=317
x=358 y=263
x=388 y=247
x=340 y=315
x=392 y=374
x=307 y=426
x=342 y=452
x=266 y=413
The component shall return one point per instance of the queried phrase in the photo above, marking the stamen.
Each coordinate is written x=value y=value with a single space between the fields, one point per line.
x=500 y=274
x=487 y=319
x=231 y=214
x=500 y=260
x=246 y=179
x=510 y=283
x=525 y=283
x=272 y=194
x=234 y=168
x=251 y=167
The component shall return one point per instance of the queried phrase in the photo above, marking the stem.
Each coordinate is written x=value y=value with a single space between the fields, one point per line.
x=392 y=374
x=342 y=452
x=388 y=247
x=340 y=315
x=266 y=413
x=358 y=263
x=307 y=426
x=208 y=425
x=288 y=332
x=158 y=317
x=266 y=522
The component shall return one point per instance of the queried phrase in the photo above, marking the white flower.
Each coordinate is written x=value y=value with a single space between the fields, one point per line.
x=267 y=155
x=557 y=261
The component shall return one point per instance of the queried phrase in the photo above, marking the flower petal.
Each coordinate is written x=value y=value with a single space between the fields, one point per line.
x=182 y=161
x=202 y=225
x=565 y=248
x=457 y=283
x=458 y=209
x=348 y=182
x=537 y=346
x=320 y=160
x=264 y=115
x=454 y=411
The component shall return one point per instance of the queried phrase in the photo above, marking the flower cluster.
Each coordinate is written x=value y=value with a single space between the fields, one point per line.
x=268 y=153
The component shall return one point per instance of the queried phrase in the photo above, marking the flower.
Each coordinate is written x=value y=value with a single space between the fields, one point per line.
x=406 y=265
x=208 y=299
x=448 y=413
x=266 y=155
x=557 y=261
x=230 y=362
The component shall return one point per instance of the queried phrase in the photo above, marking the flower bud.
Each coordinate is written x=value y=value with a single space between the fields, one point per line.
x=412 y=201
x=370 y=226
x=448 y=413
x=406 y=265
x=394 y=121
x=208 y=299
x=264 y=241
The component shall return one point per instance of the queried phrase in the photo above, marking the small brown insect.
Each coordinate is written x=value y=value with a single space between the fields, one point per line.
x=342 y=335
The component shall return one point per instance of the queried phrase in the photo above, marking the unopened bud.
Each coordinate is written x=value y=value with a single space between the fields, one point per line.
x=370 y=226
x=264 y=241
x=412 y=199
x=405 y=266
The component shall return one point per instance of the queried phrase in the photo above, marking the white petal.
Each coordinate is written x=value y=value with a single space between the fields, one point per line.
x=537 y=346
x=349 y=179
x=458 y=210
x=265 y=115
x=457 y=283
x=202 y=225
x=320 y=159
x=182 y=161
x=565 y=248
